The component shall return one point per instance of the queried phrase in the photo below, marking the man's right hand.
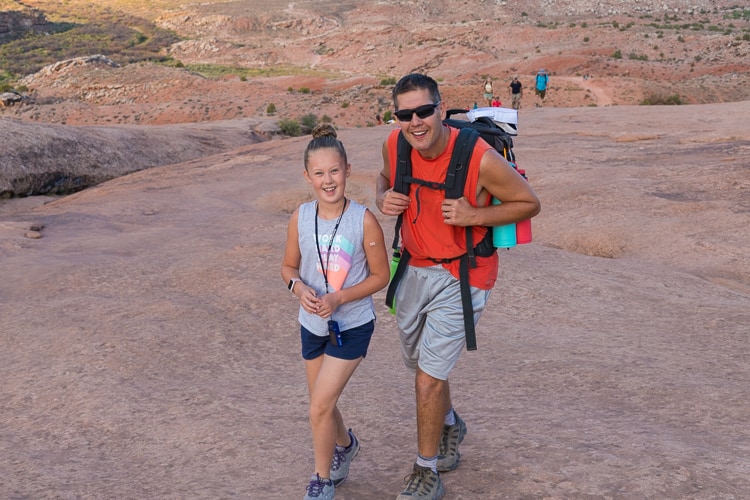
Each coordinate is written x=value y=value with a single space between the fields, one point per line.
x=392 y=203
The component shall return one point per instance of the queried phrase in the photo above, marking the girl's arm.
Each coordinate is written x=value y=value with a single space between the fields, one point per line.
x=290 y=268
x=292 y=255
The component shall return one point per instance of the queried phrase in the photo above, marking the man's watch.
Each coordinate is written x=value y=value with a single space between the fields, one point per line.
x=291 y=284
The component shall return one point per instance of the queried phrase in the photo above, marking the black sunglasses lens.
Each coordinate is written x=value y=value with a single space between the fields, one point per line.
x=404 y=115
x=425 y=111
x=422 y=112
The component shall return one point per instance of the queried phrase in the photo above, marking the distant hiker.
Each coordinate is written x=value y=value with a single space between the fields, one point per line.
x=475 y=105
x=496 y=103
x=488 y=91
x=516 y=92
x=429 y=295
x=542 y=78
x=334 y=260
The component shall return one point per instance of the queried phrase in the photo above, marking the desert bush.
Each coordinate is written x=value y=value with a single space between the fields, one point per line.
x=738 y=14
x=617 y=54
x=661 y=99
x=326 y=119
x=290 y=127
x=303 y=90
x=387 y=116
x=345 y=104
x=271 y=109
x=388 y=81
x=309 y=121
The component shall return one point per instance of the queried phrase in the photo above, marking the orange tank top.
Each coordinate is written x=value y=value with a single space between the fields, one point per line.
x=423 y=231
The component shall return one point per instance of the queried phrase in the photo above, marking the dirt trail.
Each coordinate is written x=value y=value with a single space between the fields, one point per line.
x=150 y=349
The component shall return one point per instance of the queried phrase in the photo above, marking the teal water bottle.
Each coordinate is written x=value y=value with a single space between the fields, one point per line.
x=503 y=236
x=395 y=259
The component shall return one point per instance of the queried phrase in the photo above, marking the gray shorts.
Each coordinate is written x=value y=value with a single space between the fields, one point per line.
x=431 y=319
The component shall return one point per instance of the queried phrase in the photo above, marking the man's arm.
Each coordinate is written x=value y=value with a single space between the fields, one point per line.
x=499 y=179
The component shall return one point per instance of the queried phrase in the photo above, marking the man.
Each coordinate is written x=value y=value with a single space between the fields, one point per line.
x=516 y=92
x=428 y=298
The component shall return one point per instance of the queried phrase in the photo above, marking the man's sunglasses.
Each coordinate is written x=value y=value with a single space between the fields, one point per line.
x=404 y=115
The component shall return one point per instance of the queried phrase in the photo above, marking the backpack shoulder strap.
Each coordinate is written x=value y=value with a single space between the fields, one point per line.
x=458 y=169
x=400 y=184
x=403 y=165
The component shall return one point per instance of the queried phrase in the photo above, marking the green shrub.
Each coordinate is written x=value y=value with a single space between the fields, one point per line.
x=617 y=54
x=271 y=109
x=309 y=121
x=660 y=99
x=387 y=116
x=345 y=104
x=290 y=127
x=303 y=90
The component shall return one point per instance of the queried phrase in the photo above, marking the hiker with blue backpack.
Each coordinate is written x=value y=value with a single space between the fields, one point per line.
x=542 y=79
x=436 y=281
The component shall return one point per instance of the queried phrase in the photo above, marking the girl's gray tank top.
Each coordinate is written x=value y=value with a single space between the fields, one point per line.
x=346 y=265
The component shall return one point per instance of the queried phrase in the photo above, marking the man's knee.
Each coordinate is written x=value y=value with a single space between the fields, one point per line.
x=428 y=386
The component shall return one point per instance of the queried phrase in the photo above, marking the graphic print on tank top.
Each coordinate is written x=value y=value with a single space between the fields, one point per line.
x=339 y=262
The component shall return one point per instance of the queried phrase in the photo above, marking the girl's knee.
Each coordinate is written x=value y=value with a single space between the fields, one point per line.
x=320 y=410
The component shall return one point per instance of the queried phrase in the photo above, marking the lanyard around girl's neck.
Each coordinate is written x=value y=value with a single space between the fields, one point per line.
x=324 y=268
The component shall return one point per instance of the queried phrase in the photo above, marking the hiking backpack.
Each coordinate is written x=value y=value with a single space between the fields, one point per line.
x=453 y=185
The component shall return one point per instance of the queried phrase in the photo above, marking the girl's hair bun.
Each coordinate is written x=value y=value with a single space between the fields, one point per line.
x=324 y=130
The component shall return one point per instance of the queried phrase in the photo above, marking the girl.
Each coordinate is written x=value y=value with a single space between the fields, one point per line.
x=335 y=259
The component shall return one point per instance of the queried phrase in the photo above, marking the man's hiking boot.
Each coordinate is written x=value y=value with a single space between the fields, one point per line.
x=342 y=459
x=320 y=489
x=448 y=455
x=422 y=484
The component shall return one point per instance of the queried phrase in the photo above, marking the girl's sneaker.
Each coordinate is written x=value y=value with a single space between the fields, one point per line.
x=342 y=459
x=320 y=489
